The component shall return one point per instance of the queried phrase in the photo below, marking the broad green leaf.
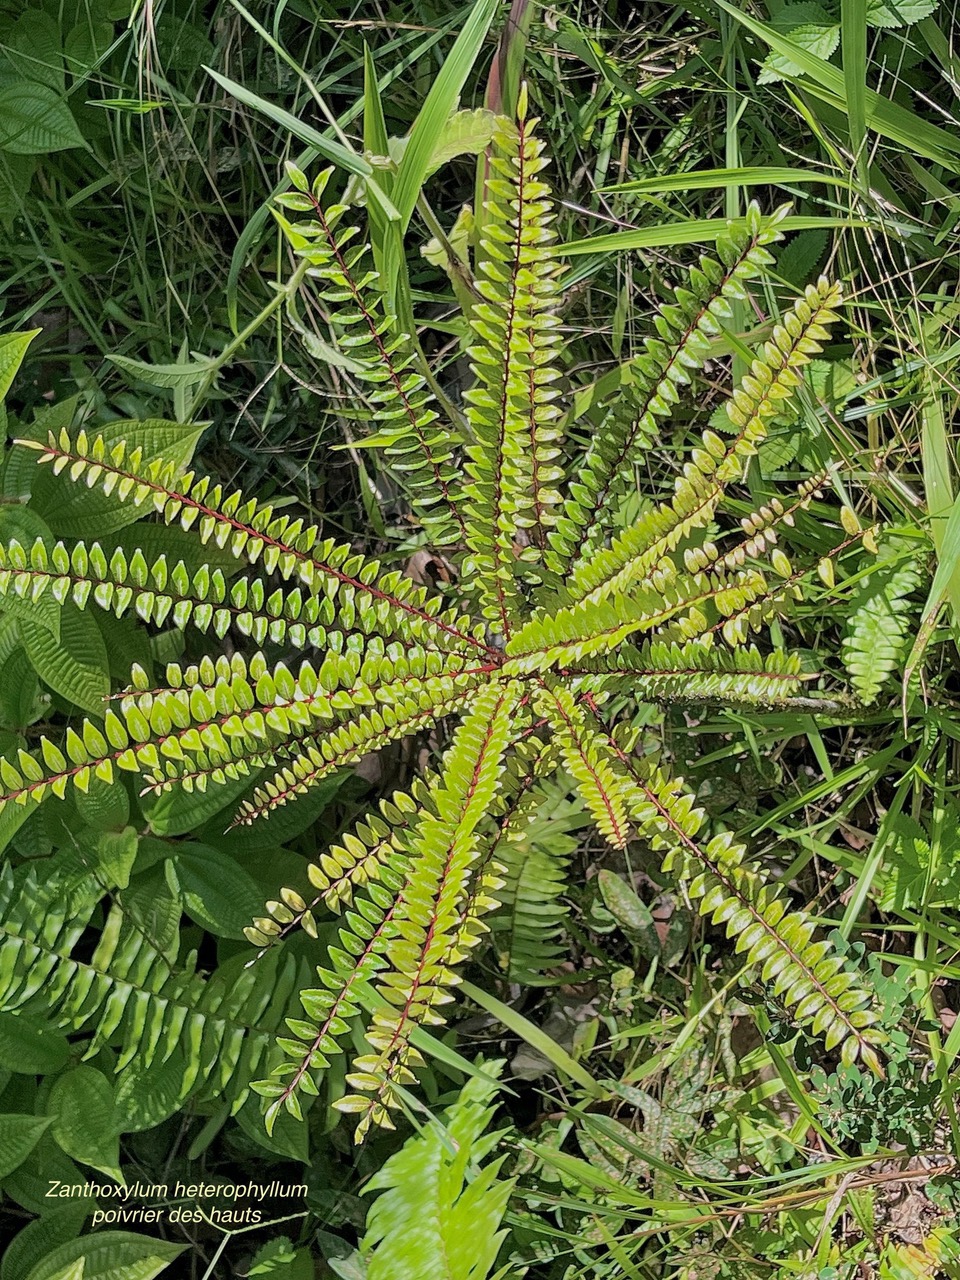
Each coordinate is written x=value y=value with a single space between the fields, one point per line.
x=166 y=375
x=30 y=1182
x=801 y=257
x=898 y=13
x=18 y=1136
x=85 y=46
x=288 y=1137
x=11 y=820
x=110 y=1255
x=283 y=823
x=13 y=347
x=75 y=665
x=631 y=913
x=465 y=133
x=34 y=1242
x=16 y=176
x=72 y=1271
x=149 y=1092
x=278 y=1258
x=115 y=853
x=35 y=120
x=75 y=511
x=818 y=38
x=31 y=50
x=84 y=1119
x=151 y=906
x=19 y=688
x=173 y=542
x=175 y=812
x=30 y=1046
x=105 y=806
x=216 y=893
x=908 y=863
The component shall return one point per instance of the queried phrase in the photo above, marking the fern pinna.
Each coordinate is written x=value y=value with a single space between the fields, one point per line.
x=560 y=610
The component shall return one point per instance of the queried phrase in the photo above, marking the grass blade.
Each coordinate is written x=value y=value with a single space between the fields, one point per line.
x=688 y=231
x=440 y=103
x=853 y=44
x=713 y=179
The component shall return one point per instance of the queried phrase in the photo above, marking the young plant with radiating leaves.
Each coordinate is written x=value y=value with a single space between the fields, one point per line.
x=559 y=609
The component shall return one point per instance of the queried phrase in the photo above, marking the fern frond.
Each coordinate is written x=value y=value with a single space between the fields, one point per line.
x=682 y=606
x=534 y=844
x=365 y=598
x=244 y=718
x=685 y=329
x=347 y=866
x=512 y=409
x=877 y=630
x=439 y=1213
x=129 y=994
x=379 y=356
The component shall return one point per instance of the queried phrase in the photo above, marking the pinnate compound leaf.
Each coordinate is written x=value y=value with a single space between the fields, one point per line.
x=77 y=511
x=175 y=812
